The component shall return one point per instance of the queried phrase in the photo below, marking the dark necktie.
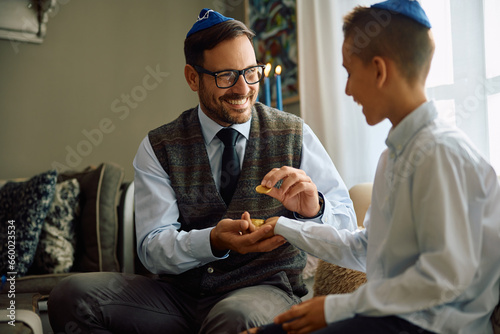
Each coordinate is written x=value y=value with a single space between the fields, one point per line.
x=230 y=170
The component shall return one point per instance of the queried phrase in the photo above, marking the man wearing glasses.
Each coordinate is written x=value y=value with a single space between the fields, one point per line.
x=194 y=178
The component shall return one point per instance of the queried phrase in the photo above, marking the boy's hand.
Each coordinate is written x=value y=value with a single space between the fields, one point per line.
x=306 y=317
x=243 y=237
x=297 y=192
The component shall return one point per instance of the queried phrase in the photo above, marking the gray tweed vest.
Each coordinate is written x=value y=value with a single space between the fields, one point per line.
x=275 y=141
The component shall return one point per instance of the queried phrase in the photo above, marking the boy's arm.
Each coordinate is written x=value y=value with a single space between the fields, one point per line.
x=342 y=247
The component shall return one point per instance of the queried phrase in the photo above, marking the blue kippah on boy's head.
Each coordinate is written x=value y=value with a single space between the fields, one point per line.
x=408 y=8
x=207 y=19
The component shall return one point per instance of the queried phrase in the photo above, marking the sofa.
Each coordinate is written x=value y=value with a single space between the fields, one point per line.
x=332 y=279
x=60 y=224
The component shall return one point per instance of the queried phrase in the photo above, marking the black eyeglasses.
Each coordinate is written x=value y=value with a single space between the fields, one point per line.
x=228 y=78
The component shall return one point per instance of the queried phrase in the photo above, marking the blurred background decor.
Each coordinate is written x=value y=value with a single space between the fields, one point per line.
x=275 y=25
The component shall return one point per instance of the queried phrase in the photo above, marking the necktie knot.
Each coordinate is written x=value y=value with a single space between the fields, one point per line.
x=228 y=136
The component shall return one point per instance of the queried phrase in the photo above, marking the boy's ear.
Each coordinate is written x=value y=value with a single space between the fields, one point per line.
x=192 y=77
x=380 y=65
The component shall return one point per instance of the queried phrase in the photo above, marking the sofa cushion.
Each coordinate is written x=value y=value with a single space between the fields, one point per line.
x=23 y=208
x=56 y=248
x=97 y=229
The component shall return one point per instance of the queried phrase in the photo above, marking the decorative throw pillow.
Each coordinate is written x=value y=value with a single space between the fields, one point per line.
x=97 y=229
x=56 y=249
x=23 y=205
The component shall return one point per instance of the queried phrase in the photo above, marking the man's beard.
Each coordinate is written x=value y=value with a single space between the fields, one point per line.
x=216 y=109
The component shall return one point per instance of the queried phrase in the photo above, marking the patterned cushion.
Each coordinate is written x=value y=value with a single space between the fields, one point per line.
x=26 y=205
x=56 y=249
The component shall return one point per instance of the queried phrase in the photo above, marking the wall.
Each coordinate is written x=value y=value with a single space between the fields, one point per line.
x=107 y=73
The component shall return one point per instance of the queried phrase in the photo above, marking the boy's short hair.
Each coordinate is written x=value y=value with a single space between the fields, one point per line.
x=378 y=32
x=197 y=43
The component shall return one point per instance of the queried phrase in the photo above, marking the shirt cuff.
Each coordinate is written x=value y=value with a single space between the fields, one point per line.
x=319 y=217
x=338 y=307
x=201 y=248
x=285 y=224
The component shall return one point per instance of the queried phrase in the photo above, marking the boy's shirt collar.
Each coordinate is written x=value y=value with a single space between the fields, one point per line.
x=401 y=135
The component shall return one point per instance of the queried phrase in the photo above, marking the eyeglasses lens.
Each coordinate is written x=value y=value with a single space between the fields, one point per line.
x=227 y=79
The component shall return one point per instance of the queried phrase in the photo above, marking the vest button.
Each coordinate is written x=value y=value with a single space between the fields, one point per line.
x=210 y=270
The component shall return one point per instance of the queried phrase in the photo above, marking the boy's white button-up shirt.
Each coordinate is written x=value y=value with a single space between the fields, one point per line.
x=431 y=244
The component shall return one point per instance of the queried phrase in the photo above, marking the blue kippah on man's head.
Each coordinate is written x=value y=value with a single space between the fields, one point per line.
x=409 y=8
x=207 y=18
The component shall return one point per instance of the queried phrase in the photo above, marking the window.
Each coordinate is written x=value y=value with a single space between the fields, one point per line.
x=465 y=73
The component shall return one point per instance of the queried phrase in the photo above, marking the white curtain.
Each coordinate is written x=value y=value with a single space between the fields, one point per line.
x=464 y=80
x=334 y=117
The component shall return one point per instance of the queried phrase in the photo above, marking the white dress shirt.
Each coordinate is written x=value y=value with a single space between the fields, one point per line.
x=163 y=248
x=431 y=247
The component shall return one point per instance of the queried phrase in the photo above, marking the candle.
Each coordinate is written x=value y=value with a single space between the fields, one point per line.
x=279 y=97
x=267 y=86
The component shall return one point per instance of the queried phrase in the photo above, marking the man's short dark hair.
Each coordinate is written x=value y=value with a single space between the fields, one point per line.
x=378 y=32
x=207 y=39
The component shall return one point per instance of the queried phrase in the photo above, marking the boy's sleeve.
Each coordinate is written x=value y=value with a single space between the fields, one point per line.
x=343 y=247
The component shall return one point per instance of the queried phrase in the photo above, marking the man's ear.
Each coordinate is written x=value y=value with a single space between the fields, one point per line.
x=380 y=65
x=192 y=77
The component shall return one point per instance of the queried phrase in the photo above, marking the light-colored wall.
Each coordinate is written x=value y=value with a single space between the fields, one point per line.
x=107 y=73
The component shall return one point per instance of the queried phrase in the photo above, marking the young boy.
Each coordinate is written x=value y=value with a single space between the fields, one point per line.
x=431 y=244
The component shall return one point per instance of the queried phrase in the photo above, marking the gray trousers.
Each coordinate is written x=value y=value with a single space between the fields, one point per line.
x=359 y=325
x=117 y=303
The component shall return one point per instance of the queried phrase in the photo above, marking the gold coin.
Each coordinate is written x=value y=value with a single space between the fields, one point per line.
x=258 y=222
x=263 y=190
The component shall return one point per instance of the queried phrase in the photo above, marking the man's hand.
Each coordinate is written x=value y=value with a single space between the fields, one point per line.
x=243 y=237
x=306 y=317
x=297 y=192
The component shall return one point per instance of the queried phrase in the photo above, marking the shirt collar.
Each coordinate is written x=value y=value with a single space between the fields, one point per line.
x=401 y=135
x=209 y=128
